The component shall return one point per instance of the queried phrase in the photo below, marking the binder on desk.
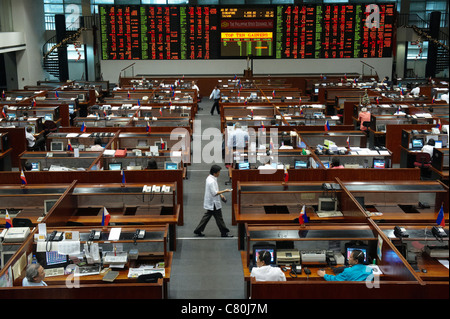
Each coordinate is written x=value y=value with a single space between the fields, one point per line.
x=121 y=153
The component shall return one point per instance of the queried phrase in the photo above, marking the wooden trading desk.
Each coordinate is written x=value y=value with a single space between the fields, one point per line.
x=121 y=278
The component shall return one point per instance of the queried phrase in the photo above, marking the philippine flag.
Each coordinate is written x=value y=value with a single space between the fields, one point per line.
x=348 y=141
x=3 y=112
x=327 y=126
x=286 y=175
x=23 y=178
x=123 y=176
x=128 y=94
x=105 y=217
x=163 y=145
x=439 y=125
x=147 y=128
x=56 y=94
x=69 y=146
x=441 y=220
x=251 y=111
x=83 y=127
x=33 y=103
x=303 y=218
x=3 y=94
x=433 y=100
x=139 y=103
x=8 y=222
x=273 y=93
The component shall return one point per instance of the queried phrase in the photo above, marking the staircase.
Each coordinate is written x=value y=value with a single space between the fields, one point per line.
x=50 y=61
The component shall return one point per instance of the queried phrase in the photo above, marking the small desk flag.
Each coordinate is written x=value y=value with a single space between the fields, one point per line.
x=441 y=220
x=123 y=176
x=83 y=127
x=303 y=218
x=327 y=126
x=105 y=217
x=286 y=175
x=8 y=222
x=22 y=178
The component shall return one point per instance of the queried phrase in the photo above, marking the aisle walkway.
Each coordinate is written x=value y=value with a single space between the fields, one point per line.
x=208 y=267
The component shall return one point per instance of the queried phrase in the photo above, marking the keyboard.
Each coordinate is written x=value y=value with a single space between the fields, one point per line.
x=51 y=272
x=329 y=214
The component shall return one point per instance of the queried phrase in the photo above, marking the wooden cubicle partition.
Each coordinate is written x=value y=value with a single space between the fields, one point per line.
x=106 y=177
x=17 y=142
x=394 y=137
x=398 y=281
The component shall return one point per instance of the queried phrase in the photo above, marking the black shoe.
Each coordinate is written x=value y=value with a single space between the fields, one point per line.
x=227 y=235
x=199 y=234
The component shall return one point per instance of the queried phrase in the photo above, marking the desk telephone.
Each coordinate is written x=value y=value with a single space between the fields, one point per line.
x=139 y=234
x=438 y=232
x=56 y=236
x=95 y=235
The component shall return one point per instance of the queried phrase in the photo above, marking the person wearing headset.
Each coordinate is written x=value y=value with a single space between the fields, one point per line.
x=265 y=272
x=356 y=272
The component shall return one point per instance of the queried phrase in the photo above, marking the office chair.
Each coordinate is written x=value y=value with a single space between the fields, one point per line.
x=22 y=222
x=423 y=161
x=149 y=278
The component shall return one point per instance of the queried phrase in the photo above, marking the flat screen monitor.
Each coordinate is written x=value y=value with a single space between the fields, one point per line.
x=170 y=165
x=261 y=248
x=48 y=117
x=115 y=166
x=56 y=146
x=244 y=165
x=35 y=166
x=71 y=108
x=316 y=91
x=48 y=204
x=438 y=144
x=326 y=164
x=301 y=164
x=417 y=143
x=11 y=115
x=327 y=204
x=52 y=259
x=379 y=163
x=349 y=248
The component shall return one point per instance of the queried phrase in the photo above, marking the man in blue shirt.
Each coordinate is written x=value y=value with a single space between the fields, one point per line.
x=356 y=272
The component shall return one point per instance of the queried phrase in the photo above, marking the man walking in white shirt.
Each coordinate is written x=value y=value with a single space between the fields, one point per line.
x=212 y=204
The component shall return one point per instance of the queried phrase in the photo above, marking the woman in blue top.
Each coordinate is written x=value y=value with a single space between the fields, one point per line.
x=357 y=272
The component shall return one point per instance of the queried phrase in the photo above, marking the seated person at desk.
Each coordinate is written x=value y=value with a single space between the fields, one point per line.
x=363 y=116
x=97 y=145
x=356 y=272
x=429 y=147
x=336 y=163
x=415 y=91
x=32 y=143
x=35 y=275
x=265 y=272
x=238 y=137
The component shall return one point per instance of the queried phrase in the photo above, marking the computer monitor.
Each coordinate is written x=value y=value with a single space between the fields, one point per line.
x=48 y=117
x=272 y=249
x=379 y=163
x=170 y=165
x=326 y=164
x=35 y=166
x=381 y=128
x=417 y=143
x=438 y=144
x=349 y=248
x=327 y=204
x=56 y=146
x=244 y=165
x=52 y=259
x=141 y=143
x=71 y=108
x=115 y=166
x=160 y=145
x=11 y=116
x=301 y=164
x=48 y=204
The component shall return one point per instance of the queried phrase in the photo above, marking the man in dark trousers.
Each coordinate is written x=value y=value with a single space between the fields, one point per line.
x=215 y=95
x=212 y=204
